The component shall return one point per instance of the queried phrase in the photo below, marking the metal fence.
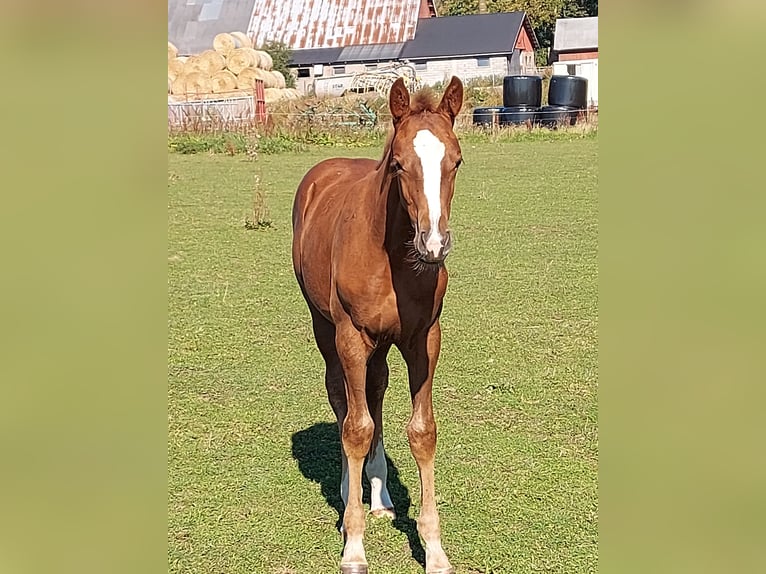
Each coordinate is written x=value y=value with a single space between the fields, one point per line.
x=245 y=108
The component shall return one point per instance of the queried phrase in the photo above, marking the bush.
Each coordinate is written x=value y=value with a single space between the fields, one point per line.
x=281 y=53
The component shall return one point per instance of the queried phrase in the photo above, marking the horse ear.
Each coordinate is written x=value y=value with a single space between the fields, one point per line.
x=399 y=100
x=452 y=100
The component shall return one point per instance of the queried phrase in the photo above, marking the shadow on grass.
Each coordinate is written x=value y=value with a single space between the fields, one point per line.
x=317 y=450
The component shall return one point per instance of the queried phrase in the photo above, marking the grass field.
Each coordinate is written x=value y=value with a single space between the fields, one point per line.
x=253 y=449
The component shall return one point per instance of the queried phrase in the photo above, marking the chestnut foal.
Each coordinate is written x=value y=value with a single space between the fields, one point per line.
x=369 y=243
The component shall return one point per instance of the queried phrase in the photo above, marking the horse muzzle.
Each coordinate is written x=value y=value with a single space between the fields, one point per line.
x=432 y=247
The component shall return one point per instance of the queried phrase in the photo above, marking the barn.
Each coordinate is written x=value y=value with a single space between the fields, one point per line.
x=341 y=37
x=474 y=46
x=575 y=51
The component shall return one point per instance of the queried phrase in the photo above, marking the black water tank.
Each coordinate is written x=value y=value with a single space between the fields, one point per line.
x=554 y=116
x=522 y=91
x=518 y=115
x=570 y=91
x=486 y=116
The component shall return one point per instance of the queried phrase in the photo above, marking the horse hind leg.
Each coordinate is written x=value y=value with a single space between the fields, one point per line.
x=377 y=469
x=324 y=333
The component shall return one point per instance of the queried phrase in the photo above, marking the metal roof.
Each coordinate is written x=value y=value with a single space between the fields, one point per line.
x=370 y=52
x=470 y=35
x=192 y=24
x=575 y=34
x=333 y=23
x=312 y=56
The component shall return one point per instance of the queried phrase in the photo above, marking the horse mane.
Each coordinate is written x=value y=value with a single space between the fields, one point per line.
x=424 y=100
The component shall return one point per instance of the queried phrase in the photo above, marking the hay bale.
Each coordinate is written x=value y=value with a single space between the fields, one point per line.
x=224 y=43
x=223 y=81
x=242 y=40
x=212 y=62
x=178 y=86
x=271 y=95
x=280 y=79
x=239 y=59
x=175 y=68
x=267 y=63
x=269 y=79
x=170 y=84
x=172 y=51
x=246 y=78
x=198 y=84
x=194 y=64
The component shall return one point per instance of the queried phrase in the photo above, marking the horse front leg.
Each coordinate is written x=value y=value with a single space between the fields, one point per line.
x=356 y=438
x=421 y=360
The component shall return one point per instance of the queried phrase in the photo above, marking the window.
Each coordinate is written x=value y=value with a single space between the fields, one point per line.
x=304 y=72
x=482 y=62
x=572 y=69
x=336 y=70
x=421 y=66
x=370 y=67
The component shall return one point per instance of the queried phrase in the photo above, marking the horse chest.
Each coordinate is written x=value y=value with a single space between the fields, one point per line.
x=389 y=309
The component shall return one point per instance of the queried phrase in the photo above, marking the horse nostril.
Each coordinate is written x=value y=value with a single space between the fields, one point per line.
x=447 y=243
x=422 y=242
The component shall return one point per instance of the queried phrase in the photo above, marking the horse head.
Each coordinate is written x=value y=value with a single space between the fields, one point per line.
x=425 y=156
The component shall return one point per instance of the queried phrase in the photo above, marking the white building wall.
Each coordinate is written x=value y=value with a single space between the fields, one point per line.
x=465 y=68
x=585 y=68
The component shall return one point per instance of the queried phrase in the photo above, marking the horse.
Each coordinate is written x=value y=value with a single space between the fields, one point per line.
x=369 y=243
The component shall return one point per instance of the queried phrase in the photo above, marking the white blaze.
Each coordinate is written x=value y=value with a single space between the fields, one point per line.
x=430 y=150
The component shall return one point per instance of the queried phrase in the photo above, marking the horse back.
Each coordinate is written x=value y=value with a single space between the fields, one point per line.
x=323 y=194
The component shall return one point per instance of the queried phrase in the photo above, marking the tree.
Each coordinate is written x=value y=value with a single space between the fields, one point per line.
x=280 y=54
x=542 y=13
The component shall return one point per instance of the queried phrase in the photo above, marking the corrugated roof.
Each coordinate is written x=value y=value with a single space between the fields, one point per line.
x=192 y=24
x=370 y=52
x=315 y=56
x=575 y=34
x=471 y=35
x=333 y=23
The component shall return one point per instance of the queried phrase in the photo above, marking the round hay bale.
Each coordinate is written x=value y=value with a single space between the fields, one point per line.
x=198 y=84
x=172 y=51
x=255 y=59
x=266 y=61
x=194 y=64
x=272 y=95
x=178 y=87
x=223 y=81
x=270 y=80
x=212 y=62
x=224 y=43
x=246 y=78
x=242 y=40
x=280 y=78
x=175 y=68
x=239 y=59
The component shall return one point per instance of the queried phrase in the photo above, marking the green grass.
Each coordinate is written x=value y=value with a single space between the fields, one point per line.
x=253 y=451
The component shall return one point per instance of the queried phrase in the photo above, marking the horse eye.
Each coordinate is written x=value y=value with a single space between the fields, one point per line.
x=458 y=163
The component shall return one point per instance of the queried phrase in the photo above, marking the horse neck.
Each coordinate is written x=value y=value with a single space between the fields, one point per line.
x=396 y=221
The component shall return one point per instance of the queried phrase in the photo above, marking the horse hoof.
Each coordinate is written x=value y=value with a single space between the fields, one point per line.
x=384 y=513
x=354 y=569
